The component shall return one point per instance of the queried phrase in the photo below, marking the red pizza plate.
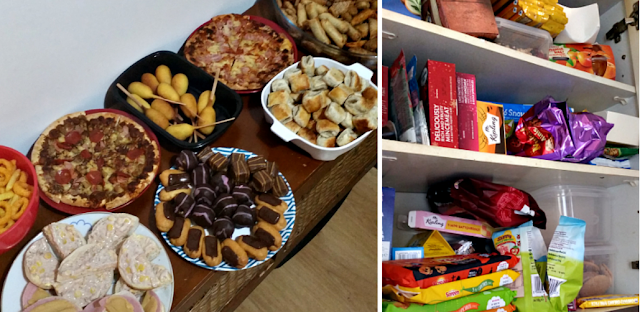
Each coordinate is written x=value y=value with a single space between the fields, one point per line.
x=73 y=210
x=264 y=21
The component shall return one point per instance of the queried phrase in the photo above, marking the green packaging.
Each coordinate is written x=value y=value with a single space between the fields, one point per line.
x=565 y=262
x=486 y=300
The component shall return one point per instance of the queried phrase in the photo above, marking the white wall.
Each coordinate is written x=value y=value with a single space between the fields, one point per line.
x=59 y=57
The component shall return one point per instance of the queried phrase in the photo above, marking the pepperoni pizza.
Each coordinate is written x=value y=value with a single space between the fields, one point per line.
x=100 y=160
x=247 y=53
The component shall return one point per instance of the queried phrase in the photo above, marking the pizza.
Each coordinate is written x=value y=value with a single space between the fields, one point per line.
x=100 y=160
x=247 y=53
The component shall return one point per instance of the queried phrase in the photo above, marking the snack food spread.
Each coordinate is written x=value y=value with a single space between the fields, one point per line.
x=100 y=160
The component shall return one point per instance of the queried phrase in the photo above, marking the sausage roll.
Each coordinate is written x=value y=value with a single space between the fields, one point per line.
x=299 y=82
x=353 y=81
x=281 y=112
x=346 y=136
x=340 y=93
x=313 y=100
x=366 y=122
x=348 y=121
x=280 y=85
x=318 y=84
x=327 y=128
x=335 y=113
x=279 y=97
x=327 y=141
x=293 y=126
x=301 y=116
x=321 y=70
x=333 y=77
x=308 y=134
x=296 y=97
x=308 y=65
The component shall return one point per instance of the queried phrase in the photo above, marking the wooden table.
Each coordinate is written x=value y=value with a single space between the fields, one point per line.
x=317 y=187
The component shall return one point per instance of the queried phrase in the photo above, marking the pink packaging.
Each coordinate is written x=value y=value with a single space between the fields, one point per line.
x=467 y=112
x=419 y=219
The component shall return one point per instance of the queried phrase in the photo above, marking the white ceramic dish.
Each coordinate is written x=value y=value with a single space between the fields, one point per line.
x=16 y=281
x=317 y=152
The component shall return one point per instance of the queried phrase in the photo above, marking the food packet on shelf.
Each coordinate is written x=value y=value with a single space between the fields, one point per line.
x=509 y=308
x=565 y=262
x=427 y=272
x=527 y=244
x=452 y=290
x=608 y=301
x=495 y=298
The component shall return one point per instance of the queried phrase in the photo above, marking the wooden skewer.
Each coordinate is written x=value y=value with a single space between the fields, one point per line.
x=130 y=96
x=215 y=85
x=167 y=100
x=215 y=123
x=195 y=137
x=200 y=135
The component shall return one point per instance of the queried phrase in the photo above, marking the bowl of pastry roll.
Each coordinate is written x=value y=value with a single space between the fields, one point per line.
x=322 y=106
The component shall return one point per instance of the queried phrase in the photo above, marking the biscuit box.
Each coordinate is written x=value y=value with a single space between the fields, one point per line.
x=491 y=138
x=388 y=199
x=597 y=59
x=433 y=243
x=467 y=112
x=439 y=92
x=419 y=219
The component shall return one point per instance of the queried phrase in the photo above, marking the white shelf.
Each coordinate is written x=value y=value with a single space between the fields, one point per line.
x=412 y=168
x=502 y=74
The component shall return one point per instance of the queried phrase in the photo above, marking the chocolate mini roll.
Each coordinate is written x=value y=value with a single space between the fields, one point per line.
x=204 y=155
x=184 y=204
x=186 y=160
x=272 y=169
x=200 y=174
x=262 y=182
x=225 y=205
x=218 y=163
x=195 y=242
x=280 y=187
x=223 y=228
x=268 y=214
x=203 y=216
x=165 y=216
x=179 y=178
x=221 y=183
x=245 y=216
x=257 y=163
x=238 y=169
x=243 y=194
x=178 y=233
x=204 y=194
x=211 y=254
x=233 y=254
x=254 y=247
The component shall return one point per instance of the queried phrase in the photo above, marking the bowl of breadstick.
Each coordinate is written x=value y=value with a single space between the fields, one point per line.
x=346 y=31
x=18 y=197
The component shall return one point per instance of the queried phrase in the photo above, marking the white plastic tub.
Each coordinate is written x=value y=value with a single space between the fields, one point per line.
x=317 y=152
x=603 y=258
x=590 y=204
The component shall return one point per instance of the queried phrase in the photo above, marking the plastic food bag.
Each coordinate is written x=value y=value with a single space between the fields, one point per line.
x=452 y=290
x=486 y=300
x=589 y=134
x=565 y=262
x=498 y=205
x=608 y=301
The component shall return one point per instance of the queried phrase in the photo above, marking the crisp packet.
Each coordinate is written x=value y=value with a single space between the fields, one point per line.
x=542 y=132
x=589 y=134
x=565 y=262
x=608 y=301
x=452 y=290
x=509 y=308
x=527 y=244
x=486 y=300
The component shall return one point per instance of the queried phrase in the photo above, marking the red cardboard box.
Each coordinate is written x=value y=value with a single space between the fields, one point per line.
x=443 y=107
x=385 y=95
x=467 y=112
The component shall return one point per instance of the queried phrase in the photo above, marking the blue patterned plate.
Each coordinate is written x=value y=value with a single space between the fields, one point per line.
x=289 y=215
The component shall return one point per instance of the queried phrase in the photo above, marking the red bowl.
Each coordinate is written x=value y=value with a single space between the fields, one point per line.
x=264 y=21
x=17 y=231
x=77 y=210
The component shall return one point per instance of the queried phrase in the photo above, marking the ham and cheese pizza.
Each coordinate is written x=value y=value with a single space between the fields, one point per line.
x=100 y=160
x=247 y=53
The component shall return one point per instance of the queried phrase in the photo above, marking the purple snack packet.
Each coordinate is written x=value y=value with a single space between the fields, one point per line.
x=589 y=134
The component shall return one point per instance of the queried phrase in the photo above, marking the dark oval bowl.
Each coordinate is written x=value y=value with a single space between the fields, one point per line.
x=228 y=103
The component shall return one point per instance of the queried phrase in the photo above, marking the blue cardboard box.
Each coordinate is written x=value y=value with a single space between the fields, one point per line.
x=388 y=202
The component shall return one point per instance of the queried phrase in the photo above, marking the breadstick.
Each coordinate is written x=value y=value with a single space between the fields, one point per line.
x=362 y=16
x=302 y=14
x=353 y=33
x=357 y=44
x=347 y=17
x=339 y=24
x=361 y=5
x=373 y=28
x=335 y=35
x=312 y=12
x=318 y=31
x=363 y=29
x=321 y=9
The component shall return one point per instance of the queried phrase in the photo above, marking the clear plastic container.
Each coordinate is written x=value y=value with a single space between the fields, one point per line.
x=523 y=38
x=598 y=271
x=591 y=204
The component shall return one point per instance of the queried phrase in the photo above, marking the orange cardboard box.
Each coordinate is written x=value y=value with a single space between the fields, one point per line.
x=597 y=59
x=491 y=137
